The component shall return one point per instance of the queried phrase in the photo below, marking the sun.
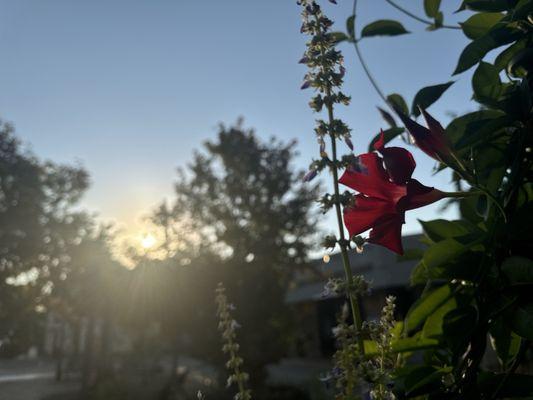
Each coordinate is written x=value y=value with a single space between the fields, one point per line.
x=148 y=241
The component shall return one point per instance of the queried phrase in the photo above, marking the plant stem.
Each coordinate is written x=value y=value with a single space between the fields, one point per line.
x=354 y=302
x=419 y=19
x=463 y=194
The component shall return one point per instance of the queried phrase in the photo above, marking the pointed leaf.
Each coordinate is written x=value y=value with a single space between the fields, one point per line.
x=431 y=7
x=398 y=102
x=427 y=96
x=425 y=306
x=350 y=26
x=476 y=50
x=480 y=24
x=383 y=27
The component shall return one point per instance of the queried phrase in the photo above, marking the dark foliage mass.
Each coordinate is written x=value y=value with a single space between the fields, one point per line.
x=254 y=227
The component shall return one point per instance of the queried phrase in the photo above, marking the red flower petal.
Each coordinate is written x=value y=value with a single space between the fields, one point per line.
x=419 y=195
x=399 y=162
x=380 y=143
x=370 y=178
x=421 y=135
x=365 y=212
x=388 y=232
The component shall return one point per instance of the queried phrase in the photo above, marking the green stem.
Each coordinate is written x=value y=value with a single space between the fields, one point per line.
x=461 y=195
x=354 y=302
x=419 y=19
x=343 y=243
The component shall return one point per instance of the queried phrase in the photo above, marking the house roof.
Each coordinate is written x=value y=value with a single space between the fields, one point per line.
x=377 y=264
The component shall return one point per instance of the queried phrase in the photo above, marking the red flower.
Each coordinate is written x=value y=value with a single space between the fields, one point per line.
x=386 y=192
x=432 y=141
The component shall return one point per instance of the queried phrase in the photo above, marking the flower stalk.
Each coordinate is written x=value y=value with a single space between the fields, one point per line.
x=326 y=72
x=228 y=326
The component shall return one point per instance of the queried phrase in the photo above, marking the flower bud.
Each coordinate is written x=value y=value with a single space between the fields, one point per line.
x=348 y=142
x=310 y=175
x=305 y=85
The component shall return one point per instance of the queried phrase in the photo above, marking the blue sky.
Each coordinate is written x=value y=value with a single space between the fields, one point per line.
x=129 y=88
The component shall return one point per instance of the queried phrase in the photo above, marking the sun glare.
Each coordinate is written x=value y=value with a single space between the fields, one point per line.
x=148 y=241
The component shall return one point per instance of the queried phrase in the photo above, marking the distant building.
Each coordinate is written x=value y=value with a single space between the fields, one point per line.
x=316 y=314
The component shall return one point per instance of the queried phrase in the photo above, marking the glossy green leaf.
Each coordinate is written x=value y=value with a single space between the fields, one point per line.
x=433 y=327
x=427 y=96
x=486 y=83
x=398 y=102
x=431 y=8
x=442 y=252
x=477 y=49
x=389 y=134
x=518 y=270
x=502 y=60
x=479 y=24
x=425 y=306
x=468 y=124
x=521 y=64
x=440 y=229
x=482 y=130
x=383 y=27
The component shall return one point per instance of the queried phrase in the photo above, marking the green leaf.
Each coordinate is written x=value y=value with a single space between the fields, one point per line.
x=440 y=229
x=433 y=327
x=425 y=306
x=389 y=119
x=389 y=134
x=519 y=270
x=350 y=26
x=486 y=83
x=504 y=342
x=483 y=130
x=431 y=7
x=521 y=64
x=469 y=124
x=427 y=96
x=486 y=5
x=458 y=325
x=403 y=345
x=338 y=37
x=521 y=321
x=476 y=50
x=503 y=59
x=446 y=251
x=383 y=27
x=398 y=102
x=480 y=24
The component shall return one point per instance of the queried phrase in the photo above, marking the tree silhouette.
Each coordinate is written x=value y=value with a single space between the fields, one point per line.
x=246 y=219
